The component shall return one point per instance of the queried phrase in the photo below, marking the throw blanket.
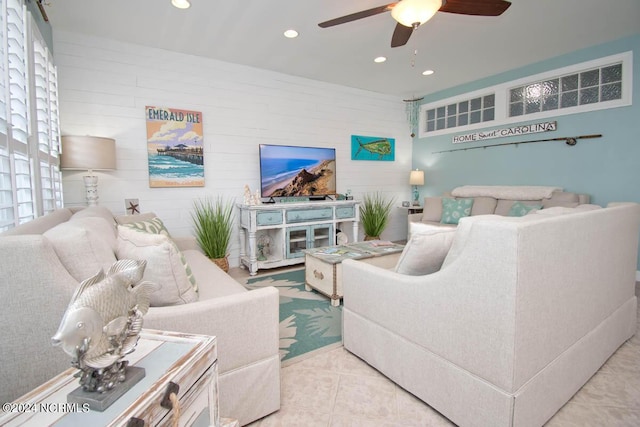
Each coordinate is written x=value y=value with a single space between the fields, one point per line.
x=508 y=192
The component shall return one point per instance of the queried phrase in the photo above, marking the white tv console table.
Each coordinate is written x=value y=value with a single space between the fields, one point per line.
x=275 y=235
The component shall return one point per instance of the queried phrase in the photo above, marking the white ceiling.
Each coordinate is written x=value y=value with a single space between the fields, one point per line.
x=459 y=48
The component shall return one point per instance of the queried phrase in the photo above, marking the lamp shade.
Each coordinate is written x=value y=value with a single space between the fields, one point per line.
x=416 y=177
x=411 y=12
x=88 y=153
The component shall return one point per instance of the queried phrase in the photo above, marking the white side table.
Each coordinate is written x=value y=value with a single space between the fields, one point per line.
x=190 y=361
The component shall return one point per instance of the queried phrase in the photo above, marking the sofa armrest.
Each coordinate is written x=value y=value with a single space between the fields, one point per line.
x=246 y=324
x=416 y=217
x=186 y=242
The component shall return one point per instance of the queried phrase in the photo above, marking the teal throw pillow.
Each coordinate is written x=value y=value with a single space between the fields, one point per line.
x=454 y=209
x=520 y=209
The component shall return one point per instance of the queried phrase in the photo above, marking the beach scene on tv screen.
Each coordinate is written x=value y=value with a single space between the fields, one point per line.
x=287 y=171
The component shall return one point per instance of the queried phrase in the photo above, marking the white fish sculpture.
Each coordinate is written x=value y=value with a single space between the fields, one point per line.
x=102 y=322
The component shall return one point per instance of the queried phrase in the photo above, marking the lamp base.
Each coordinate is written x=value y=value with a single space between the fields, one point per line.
x=91 y=187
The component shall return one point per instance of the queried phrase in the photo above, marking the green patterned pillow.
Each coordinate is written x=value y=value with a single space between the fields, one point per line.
x=153 y=226
x=520 y=209
x=156 y=226
x=454 y=209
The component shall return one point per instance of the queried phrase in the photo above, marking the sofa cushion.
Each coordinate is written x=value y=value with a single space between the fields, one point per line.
x=521 y=209
x=483 y=206
x=166 y=265
x=454 y=209
x=84 y=245
x=425 y=252
x=94 y=211
x=560 y=198
x=432 y=210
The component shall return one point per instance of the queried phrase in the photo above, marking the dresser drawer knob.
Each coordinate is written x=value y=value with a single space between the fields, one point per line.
x=318 y=274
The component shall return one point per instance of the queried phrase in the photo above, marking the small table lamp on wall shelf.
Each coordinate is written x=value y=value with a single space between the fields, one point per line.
x=88 y=153
x=416 y=178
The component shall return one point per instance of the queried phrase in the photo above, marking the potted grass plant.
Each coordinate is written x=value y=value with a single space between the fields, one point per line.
x=374 y=214
x=213 y=221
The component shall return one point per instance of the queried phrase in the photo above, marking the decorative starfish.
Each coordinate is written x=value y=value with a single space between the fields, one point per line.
x=133 y=207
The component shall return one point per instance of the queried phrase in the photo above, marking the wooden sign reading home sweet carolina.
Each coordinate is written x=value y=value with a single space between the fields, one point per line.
x=506 y=132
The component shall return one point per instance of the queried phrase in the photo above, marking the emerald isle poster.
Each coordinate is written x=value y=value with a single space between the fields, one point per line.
x=174 y=147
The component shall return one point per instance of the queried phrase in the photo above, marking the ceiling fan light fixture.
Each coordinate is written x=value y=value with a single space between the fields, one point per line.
x=181 y=4
x=412 y=13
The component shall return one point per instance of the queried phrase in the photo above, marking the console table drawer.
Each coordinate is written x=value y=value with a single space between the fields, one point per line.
x=345 y=212
x=305 y=215
x=269 y=218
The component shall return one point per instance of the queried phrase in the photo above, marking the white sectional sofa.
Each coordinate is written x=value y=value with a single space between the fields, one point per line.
x=39 y=260
x=521 y=314
x=493 y=199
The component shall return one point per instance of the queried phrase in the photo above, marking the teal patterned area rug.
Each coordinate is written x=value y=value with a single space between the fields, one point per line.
x=308 y=321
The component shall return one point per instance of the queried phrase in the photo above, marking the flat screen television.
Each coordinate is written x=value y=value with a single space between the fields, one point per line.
x=290 y=171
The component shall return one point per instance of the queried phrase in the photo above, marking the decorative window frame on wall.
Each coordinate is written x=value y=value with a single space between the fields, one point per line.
x=502 y=96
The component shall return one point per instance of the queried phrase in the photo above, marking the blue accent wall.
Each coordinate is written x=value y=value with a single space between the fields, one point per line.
x=607 y=168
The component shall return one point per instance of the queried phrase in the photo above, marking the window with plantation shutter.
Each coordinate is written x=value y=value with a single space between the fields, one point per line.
x=30 y=180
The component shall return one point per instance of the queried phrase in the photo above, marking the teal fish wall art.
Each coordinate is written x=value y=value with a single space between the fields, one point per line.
x=373 y=148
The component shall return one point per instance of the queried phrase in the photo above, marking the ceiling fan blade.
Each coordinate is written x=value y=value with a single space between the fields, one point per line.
x=401 y=35
x=476 y=7
x=357 y=15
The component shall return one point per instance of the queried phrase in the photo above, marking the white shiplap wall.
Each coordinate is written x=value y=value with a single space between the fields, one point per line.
x=105 y=86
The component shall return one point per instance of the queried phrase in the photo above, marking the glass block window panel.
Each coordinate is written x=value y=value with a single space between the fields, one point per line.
x=611 y=92
x=590 y=78
x=488 y=115
x=583 y=88
x=440 y=124
x=463 y=107
x=463 y=119
x=611 y=74
x=589 y=95
x=489 y=101
x=475 y=116
x=452 y=109
x=569 y=83
x=569 y=99
x=451 y=122
x=476 y=104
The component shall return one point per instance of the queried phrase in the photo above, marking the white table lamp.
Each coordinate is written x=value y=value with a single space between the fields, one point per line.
x=416 y=178
x=88 y=153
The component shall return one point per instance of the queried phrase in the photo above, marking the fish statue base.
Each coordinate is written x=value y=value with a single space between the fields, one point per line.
x=101 y=401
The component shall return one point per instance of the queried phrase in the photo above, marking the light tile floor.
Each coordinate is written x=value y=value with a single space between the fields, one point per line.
x=337 y=389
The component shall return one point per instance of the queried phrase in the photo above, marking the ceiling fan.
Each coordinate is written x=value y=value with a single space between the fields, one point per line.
x=410 y=14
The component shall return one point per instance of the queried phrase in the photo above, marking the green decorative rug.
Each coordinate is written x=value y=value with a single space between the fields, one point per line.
x=308 y=321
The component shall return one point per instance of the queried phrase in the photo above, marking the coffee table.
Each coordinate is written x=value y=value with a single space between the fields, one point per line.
x=323 y=266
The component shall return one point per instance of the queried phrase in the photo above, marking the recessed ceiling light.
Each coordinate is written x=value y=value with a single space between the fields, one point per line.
x=427 y=72
x=181 y=4
x=380 y=59
x=291 y=34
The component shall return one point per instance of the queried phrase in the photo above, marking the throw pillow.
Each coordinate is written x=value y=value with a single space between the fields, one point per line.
x=153 y=226
x=520 y=209
x=454 y=209
x=128 y=219
x=425 y=252
x=166 y=265
x=84 y=245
